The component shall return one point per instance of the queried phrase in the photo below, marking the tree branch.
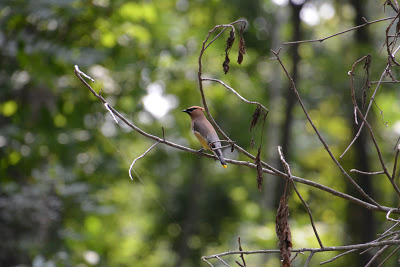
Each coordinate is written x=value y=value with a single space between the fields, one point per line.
x=359 y=189
x=367 y=23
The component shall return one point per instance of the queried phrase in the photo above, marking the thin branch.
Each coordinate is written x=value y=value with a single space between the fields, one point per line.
x=315 y=250
x=385 y=82
x=389 y=256
x=390 y=219
x=395 y=163
x=368 y=109
x=384 y=73
x=389 y=44
x=367 y=173
x=221 y=260
x=287 y=169
x=359 y=189
x=367 y=58
x=236 y=93
x=339 y=33
x=309 y=259
x=338 y=256
x=379 y=253
x=141 y=156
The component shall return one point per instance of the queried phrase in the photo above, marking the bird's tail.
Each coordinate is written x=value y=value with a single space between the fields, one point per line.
x=218 y=152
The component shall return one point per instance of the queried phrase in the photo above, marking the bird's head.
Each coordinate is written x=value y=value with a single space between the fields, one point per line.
x=194 y=111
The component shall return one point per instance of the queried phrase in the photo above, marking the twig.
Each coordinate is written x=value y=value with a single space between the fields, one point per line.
x=389 y=256
x=338 y=256
x=287 y=169
x=141 y=156
x=367 y=111
x=339 y=33
x=309 y=259
x=236 y=93
x=388 y=44
x=205 y=260
x=221 y=260
x=367 y=58
x=395 y=163
x=77 y=70
x=385 y=82
x=315 y=250
x=379 y=253
x=109 y=110
x=241 y=256
x=388 y=216
x=359 y=189
x=367 y=173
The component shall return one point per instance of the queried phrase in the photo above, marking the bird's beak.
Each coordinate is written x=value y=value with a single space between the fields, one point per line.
x=185 y=110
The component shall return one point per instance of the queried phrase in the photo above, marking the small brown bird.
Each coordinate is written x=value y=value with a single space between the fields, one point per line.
x=205 y=132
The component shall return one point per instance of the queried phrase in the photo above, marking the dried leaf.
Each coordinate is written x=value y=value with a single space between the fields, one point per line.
x=260 y=178
x=254 y=120
x=242 y=47
x=229 y=42
x=232 y=147
x=225 y=65
x=252 y=143
x=283 y=231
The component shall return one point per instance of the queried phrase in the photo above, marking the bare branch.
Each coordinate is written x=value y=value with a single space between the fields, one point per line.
x=379 y=253
x=309 y=259
x=367 y=173
x=236 y=93
x=388 y=217
x=338 y=256
x=339 y=33
x=367 y=59
x=389 y=256
x=315 y=250
x=221 y=260
x=359 y=189
x=287 y=169
x=141 y=156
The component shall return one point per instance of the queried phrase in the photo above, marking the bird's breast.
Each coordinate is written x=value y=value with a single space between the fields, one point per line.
x=202 y=140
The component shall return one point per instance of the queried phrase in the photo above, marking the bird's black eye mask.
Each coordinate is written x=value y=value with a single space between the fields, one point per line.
x=189 y=110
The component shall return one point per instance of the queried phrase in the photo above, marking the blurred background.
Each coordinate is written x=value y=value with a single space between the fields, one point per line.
x=65 y=195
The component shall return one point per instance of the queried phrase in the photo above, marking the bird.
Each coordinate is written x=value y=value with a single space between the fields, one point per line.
x=205 y=132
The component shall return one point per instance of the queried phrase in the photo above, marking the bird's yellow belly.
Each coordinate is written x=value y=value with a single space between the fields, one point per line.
x=202 y=140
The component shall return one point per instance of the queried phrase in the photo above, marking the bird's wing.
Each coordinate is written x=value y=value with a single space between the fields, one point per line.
x=205 y=132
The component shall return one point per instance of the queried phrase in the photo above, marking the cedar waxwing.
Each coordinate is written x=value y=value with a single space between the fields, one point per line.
x=205 y=132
